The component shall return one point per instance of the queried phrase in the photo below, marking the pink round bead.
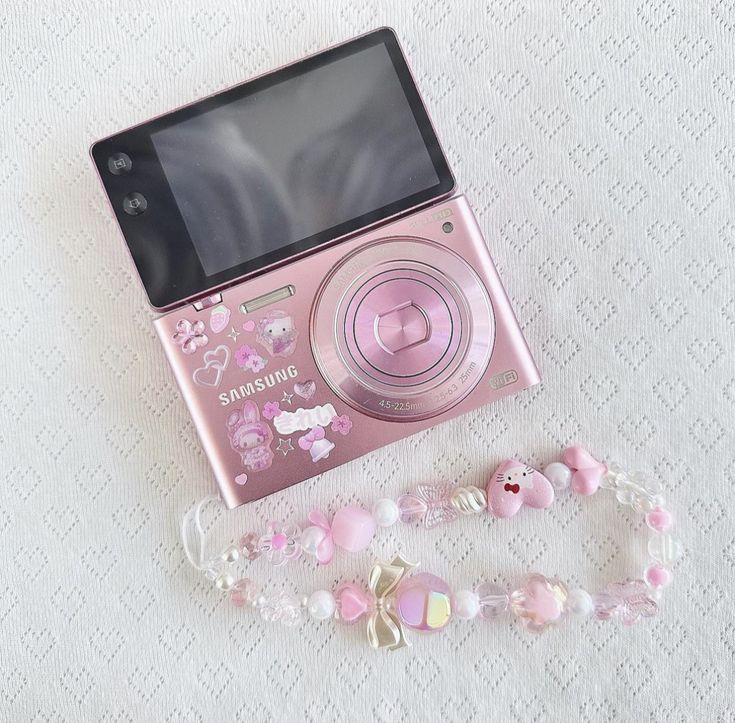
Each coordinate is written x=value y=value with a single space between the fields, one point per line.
x=353 y=528
x=659 y=519
x=423 y=602
x=657 y=576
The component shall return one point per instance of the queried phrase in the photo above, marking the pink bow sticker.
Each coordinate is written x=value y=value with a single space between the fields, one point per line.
x=308 y=439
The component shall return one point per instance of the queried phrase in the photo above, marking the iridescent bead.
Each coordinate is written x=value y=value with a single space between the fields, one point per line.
x=249 y=545
x=244 y=592
x=657 y=576
x=423 y=602
x=311 y=538
x=385 y=512
x=580 y=602
x=659 y=519
x=493 y=600
x=665 y=548
x=321 y=605
x=539 y=602
x=466 y=604
x=558 y=474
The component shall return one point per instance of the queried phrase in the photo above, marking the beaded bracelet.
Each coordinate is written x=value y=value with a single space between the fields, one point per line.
x=395 y=599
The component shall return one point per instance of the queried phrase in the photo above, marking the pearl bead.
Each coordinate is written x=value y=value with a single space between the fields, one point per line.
x=466 y=604
x=311 y=538
x=321 y=605
x=224 y=582
x=231 y=555
x=579 y=602
x=558 y=474
x=385 y=512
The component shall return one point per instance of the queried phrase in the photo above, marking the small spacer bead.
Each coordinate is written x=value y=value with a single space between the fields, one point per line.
x=657 y=576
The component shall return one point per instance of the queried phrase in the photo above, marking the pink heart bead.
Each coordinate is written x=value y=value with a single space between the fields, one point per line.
x=352 y=602
x=515 y=484
x=353 y=528
x=587 y=471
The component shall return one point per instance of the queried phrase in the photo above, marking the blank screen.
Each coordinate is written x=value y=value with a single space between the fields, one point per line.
x=295 y=159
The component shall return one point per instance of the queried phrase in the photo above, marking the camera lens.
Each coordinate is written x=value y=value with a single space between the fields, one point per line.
x=119 y=163
x=134 y=204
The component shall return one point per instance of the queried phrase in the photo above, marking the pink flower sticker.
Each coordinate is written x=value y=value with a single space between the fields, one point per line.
x=248 y=358
x=342 y=424
x=271 y=409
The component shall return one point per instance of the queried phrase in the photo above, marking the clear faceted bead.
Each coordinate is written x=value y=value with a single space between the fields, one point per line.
x=643 y=503
x=665 y=548
x=249 y=543
x=243 y=593
x=494 y=600
x=625 y=496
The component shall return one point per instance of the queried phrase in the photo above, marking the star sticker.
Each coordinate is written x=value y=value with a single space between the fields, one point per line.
x=286 y=398
x=233 y=334
x=284 y=446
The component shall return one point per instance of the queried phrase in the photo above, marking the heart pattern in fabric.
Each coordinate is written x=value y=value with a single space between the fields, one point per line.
x=515 y=484
x=215 y=363
x=306 y=389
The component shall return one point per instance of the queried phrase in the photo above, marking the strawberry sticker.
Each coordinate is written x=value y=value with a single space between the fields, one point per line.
x=219 y=318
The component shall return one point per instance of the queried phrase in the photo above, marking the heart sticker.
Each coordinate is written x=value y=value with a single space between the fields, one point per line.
x=305 y=390
x=215 y=363
x=241 y=479
x=219 y=318
x=515 y=484
x=587 y=472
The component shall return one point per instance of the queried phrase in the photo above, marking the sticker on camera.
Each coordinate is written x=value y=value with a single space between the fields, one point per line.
x=250 y=437
x=215 y=363
x=277 y=333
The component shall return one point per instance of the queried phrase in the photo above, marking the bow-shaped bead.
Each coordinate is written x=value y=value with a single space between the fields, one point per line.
x=308 y=439
x=384 y=628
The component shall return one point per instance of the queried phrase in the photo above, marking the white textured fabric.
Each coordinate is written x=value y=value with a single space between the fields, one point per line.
x=595 y=139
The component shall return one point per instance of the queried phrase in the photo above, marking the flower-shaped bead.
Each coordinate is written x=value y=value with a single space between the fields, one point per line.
x=539 y=602
x=280 y=543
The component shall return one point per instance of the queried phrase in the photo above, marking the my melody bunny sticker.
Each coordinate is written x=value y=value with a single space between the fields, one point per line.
x=250 y=437
x=276 y=332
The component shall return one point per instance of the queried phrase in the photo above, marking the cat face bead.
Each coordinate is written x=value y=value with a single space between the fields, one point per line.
x=515 y=484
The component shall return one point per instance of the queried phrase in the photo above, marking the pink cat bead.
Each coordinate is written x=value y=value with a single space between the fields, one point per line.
x=587 y=472
x=515 y=484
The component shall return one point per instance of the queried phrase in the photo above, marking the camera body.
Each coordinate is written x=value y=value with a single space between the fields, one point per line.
x=347 y=350
x=323 y=292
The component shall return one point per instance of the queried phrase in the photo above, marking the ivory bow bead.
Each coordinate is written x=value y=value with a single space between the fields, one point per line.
x=384 y=627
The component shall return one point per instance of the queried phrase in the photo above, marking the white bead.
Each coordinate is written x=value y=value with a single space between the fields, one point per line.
x=466 y=604
x=231 y=555
x=321 y=605
x=579 y=602
x=225 y=582
x=385 y=512
x=558 y=474
x=311 y=538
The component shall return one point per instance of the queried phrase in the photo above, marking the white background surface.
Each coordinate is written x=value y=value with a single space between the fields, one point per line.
x=595 y=139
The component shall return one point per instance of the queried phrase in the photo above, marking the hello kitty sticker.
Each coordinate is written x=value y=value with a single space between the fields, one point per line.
x=276 y=332
x=250 y=437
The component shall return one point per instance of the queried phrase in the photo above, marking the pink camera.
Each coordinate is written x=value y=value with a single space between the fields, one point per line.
x=325 y=293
